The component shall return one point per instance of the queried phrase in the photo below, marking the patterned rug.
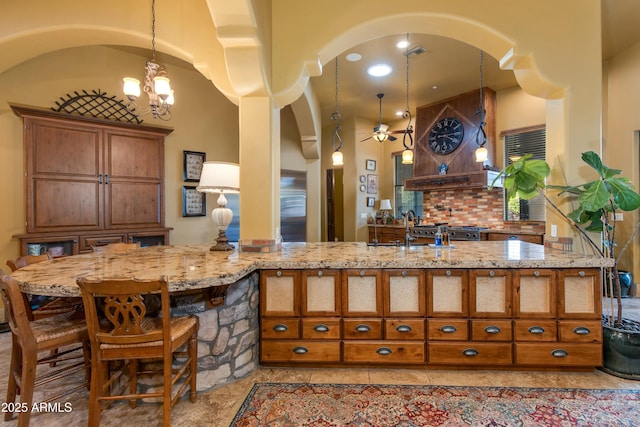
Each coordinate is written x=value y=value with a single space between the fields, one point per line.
x=371 y=405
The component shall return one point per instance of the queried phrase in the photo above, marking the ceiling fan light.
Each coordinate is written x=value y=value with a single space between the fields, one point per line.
x=380 y=136
x=337 y=158
x=407 y=157
x=481 y=154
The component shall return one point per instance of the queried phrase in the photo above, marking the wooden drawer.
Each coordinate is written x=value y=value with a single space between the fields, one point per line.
x=283 y=328
x=535 y=330
x=403 y=352
x=491 y=330
x=531 y=238
x=299 y=351
x=86 y=242
x=469 y=353
x=558 y=354
x=404 y=329
x=362 y=329
x=580 y=331
x=321 y=328
x=447 y=329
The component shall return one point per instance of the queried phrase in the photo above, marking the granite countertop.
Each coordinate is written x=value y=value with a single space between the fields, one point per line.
x=194 y=266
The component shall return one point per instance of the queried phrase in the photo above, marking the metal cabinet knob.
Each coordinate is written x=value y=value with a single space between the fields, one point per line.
x=492 y=273
x=362 y=273
x=448 y=273
x=278 y=273
x=320 y=273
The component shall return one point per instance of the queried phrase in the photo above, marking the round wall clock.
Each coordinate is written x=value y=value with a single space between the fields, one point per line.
x=446 y=135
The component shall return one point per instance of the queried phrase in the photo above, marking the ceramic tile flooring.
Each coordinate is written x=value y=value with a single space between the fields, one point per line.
x=218 y=407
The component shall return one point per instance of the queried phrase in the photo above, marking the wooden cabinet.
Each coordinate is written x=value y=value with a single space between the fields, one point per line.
x=530 y=238
x=529 y=318
x=96 y=179
x=387 y=234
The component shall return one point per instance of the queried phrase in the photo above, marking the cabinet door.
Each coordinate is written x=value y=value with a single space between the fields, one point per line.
x=280 y=293
x=490 y=293
x=320 y=292
x=579 y=294
x=447 y=293
x=535 y=294
x=361 y=293
x=134 y=167
x=404 y=293
x=63 y=163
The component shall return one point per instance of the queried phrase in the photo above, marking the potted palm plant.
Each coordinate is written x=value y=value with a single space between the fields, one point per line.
x=598 y=201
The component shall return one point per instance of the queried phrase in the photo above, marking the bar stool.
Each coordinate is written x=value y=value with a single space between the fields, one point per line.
x=29 y=338
x=129 y=335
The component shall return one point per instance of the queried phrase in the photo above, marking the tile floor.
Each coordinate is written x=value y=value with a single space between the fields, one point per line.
x=216 y=408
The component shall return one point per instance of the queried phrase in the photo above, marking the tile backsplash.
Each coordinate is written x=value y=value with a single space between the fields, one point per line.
x=472 y=207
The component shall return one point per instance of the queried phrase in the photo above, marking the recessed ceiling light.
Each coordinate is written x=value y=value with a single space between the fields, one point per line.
x=434 y=87
x=403 y=44
x=379 y=70
x=353 y=57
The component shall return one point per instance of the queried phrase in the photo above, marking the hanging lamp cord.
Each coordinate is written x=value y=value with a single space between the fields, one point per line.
x=407 y=114
x=336 y=116
x=481 y=136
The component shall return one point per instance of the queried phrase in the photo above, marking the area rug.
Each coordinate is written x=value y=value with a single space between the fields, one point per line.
x=373 y=405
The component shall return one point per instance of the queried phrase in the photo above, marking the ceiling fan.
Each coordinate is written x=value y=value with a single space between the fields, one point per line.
x=381 y=132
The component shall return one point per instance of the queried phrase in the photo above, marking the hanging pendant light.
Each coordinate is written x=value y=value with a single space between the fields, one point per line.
x=407 y=154
x=481 y=136
x=336 y=158
x=156 y=83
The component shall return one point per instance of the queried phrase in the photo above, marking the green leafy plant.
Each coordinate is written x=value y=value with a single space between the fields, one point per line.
x=597 y=203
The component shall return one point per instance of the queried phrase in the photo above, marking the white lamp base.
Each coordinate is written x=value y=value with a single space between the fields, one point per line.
x=222 y=217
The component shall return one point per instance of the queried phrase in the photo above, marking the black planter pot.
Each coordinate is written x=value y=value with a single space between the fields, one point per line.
x=621 y=352
x=626 y=280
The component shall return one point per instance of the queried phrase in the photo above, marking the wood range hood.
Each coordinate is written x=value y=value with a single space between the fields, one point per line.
x=438 y=127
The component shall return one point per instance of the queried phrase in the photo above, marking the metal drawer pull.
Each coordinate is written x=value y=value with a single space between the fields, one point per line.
x=537 y=330
x=470 y=352
x=449 y=329
x=384 y=351
x=363 y=328
x=559 y=353
x=300 y=350
x=492 y=330
x=582 y=330
x=280 y=327
x=403 y=328
x=321 y=328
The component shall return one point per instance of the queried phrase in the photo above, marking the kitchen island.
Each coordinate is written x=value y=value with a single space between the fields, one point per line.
x=502 y=304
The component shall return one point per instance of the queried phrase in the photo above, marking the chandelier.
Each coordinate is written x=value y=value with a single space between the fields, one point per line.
x=156 y=83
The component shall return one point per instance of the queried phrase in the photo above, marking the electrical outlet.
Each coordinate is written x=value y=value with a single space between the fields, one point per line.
x=554 y=230
x=619 y=216
x=363 y=215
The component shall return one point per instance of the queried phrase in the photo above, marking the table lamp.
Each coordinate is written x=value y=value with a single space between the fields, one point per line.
x=385 y=206
x=220 y=177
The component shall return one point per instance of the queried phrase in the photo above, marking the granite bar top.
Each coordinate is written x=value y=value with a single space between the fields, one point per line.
x=195 y=266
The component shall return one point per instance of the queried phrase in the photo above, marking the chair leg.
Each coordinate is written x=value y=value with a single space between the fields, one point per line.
x=27 y=383
x=166 y=400
x=133 y=381
x=193 y=358
x=96 y=390
x=12 y=385
x=86 y=353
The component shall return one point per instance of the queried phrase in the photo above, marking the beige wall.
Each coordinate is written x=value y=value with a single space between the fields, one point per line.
x=621 y=147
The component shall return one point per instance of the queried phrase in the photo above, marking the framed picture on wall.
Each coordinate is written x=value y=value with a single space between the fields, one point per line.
x=192 y=165
x=194 y=203
x=372 y=184
x=370 y=165
x=371 y=202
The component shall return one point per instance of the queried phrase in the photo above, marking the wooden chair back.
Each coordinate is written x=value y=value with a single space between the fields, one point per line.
x=115 y=247
x=23 y=261
x=123 y=305
x=17 y=311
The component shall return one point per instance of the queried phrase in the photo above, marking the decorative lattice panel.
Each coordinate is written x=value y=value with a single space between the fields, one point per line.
x=96 y=104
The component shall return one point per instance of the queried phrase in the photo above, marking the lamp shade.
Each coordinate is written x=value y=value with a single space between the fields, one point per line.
x=219 y=177
x=481 y=154
x=385 y=205
x=407 y=157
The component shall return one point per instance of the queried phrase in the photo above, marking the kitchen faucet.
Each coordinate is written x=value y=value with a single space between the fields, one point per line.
x=408 y=216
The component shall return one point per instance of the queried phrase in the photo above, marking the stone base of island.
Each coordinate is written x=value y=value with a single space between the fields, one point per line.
x=479 y=305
